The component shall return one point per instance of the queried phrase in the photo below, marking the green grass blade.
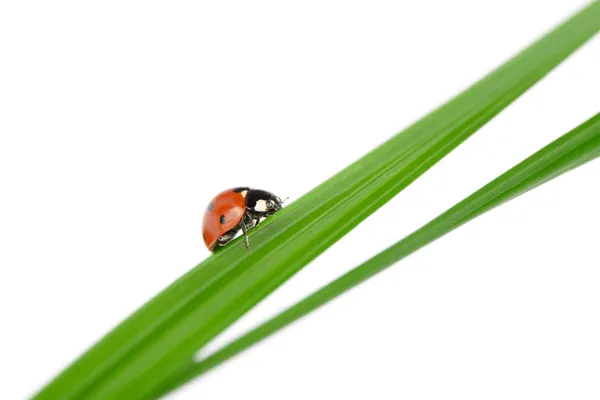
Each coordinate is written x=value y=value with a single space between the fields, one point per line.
x=575 y=148
x=155 y=342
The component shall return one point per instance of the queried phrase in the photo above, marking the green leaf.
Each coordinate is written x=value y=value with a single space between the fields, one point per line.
x=575 y=148
x=138 y=356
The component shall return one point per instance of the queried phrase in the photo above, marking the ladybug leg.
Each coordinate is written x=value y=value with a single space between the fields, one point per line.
x=245 y=232
x=226 y=238
x=257 y=221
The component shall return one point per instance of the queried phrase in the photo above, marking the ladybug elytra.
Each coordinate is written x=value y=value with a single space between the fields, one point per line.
x=236 y=209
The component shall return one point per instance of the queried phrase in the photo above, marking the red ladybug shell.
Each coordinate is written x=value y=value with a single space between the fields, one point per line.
x=223 y=213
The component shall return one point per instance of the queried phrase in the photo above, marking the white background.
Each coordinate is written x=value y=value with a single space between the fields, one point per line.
x=120 y=120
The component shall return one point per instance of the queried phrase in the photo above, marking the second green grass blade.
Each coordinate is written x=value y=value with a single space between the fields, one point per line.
x=564 y=154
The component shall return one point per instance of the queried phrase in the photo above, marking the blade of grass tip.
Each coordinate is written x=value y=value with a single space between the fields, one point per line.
x=574 y=149
x=155 y=342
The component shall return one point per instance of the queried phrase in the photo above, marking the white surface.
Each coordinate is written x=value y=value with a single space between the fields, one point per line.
x=120 y=120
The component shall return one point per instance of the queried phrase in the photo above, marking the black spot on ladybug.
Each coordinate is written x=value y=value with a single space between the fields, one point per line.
x=222 y=219
x=211 y=205
x=240 y=189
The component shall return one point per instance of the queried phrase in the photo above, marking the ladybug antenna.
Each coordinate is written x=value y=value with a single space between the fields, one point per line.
x=283 y=201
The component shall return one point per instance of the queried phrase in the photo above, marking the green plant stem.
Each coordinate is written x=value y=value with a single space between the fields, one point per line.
x=140 y=354
x=575 y=148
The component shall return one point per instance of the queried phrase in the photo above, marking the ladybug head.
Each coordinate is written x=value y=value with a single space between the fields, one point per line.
x=262 y=203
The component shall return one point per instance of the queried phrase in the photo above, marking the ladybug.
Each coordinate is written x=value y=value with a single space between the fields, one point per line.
x=235 y=209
